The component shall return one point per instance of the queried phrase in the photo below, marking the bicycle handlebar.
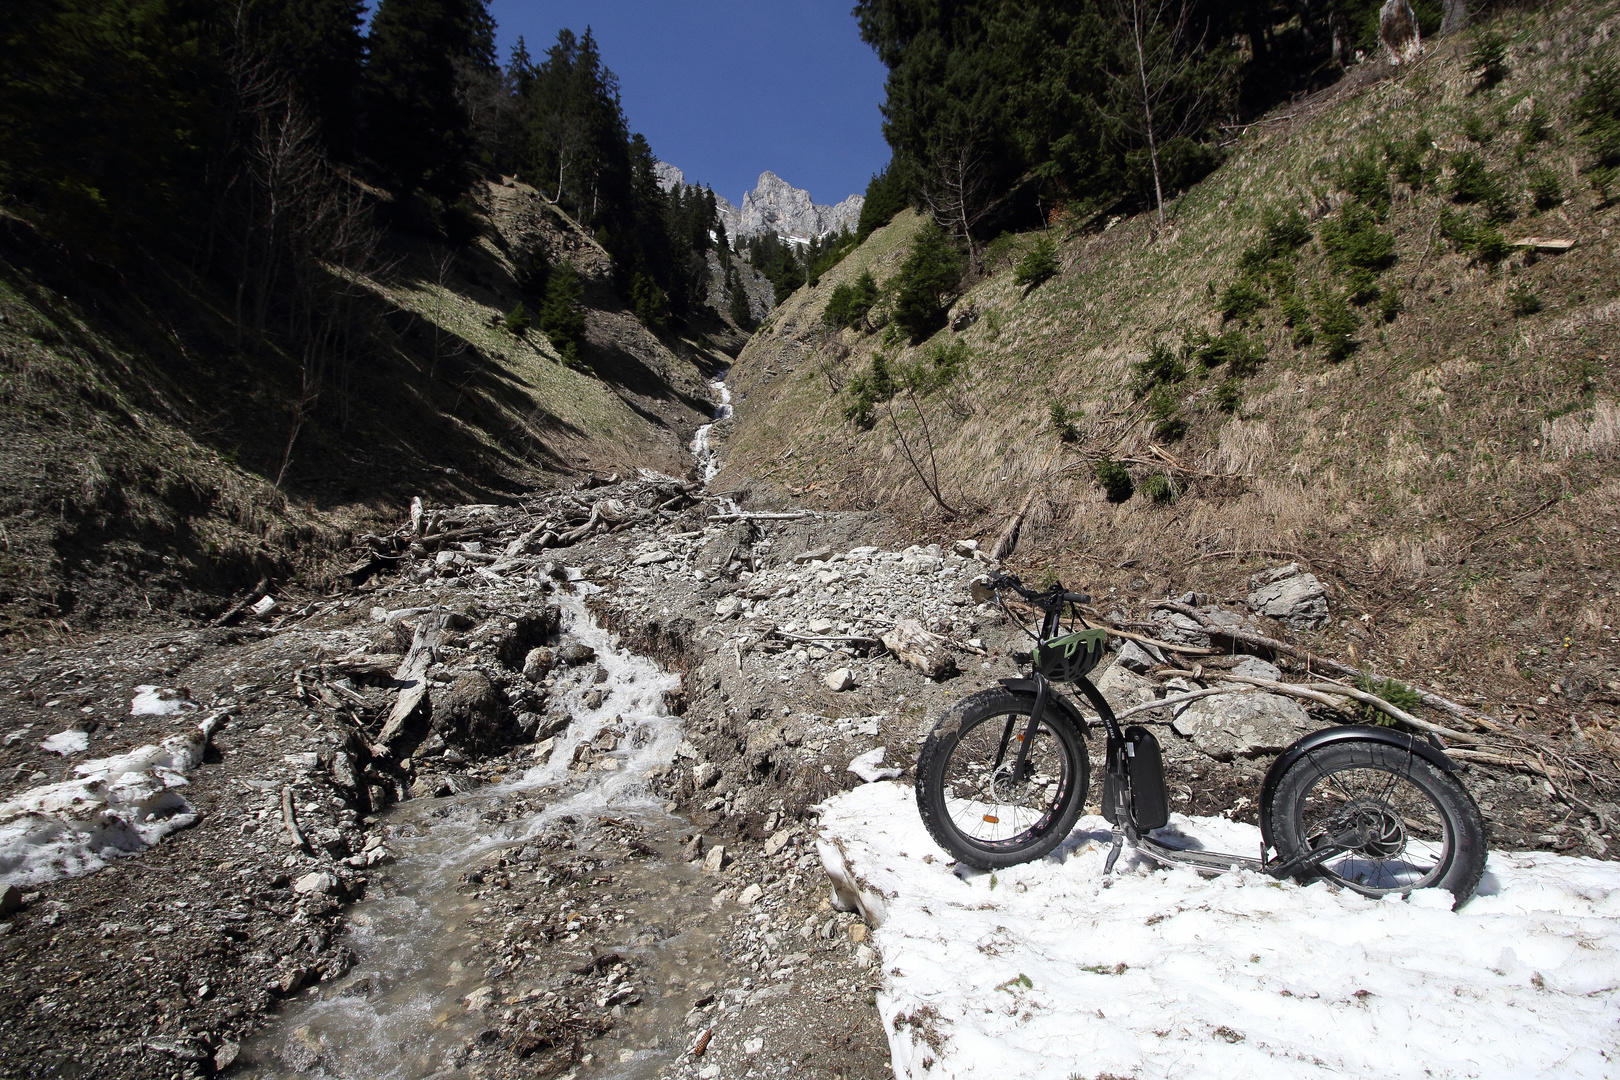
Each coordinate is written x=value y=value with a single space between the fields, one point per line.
x=1051 y=596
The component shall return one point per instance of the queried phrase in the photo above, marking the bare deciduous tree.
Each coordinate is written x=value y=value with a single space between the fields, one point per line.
x=1159 y=54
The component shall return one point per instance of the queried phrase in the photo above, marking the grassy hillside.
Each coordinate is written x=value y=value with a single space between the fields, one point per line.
x=1447 y=461
x=151 y=462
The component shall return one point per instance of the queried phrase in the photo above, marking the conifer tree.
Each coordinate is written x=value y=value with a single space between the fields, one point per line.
x=417 y=130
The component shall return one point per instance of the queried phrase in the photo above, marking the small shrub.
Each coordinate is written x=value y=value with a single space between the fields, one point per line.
x=1489 y=58
x=1359 y=249
x=1115 y=480
x=1546 y=191
x=836 y=313
x=1412 y=161
x=1491 y=247
x=1457 y=229
x=649 y=301
x=562 y=317
x=1160 y=488
x=1598 y=110
x=1336 y=325
x=1472 y=182
x=1287 y=231
x=1063 y=419
x=1522 y=299
x=1475 y=131
x=1398 y=694
x=868 y=389
x=1241 y=353
x=863 y=298
x=517 y=321
x=942 y=366
x=1367 y=178
x=1038 y=264
x=930 y=272
x=1164 y=406
x=1537 y=127
x=1229 y=395
x=1389 y=303
x=1241 y=300
x=1162 y=367
x=1296 y=314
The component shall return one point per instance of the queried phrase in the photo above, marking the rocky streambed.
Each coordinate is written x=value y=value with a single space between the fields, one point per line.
x=504 y=808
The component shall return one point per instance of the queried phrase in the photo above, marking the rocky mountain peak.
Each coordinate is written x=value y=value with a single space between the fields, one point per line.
x=775 y=206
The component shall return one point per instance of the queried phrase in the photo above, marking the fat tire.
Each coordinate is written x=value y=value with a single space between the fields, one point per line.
x=962 y=717
x=1464 y=862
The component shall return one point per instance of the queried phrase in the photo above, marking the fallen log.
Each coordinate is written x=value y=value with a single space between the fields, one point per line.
x=760 y=516
x=242 y=605
x=412 y=679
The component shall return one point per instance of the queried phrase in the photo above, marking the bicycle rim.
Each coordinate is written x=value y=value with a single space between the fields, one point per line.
x=1410 y=838
x=986 y=805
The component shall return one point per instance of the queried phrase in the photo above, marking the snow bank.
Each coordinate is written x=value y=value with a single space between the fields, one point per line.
x=115 y=806
x=1050 y=971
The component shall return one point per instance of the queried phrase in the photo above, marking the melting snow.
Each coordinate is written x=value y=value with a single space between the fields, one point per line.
x=67 y=742
x=116 y=806
x=159 y=701
x=1050 y=970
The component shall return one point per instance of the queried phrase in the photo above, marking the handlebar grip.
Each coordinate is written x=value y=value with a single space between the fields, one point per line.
x=1077 y=598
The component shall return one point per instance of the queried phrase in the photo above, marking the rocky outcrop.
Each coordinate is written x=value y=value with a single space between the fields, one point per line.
x=774 y=206
x=1290 y=595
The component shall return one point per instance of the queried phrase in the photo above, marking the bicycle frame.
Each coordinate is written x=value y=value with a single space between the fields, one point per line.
x=1117 y=772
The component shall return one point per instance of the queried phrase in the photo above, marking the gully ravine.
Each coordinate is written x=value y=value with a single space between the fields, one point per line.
x=588 y=851
x=637 y=969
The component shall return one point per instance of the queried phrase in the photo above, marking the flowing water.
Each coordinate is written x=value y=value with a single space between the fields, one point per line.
x=400 y=1013
x=708 y=461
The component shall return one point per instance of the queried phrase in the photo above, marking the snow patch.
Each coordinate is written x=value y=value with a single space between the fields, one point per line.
x=159 y=701
x=67 y=742
x=116 y=806
x=1049 y=970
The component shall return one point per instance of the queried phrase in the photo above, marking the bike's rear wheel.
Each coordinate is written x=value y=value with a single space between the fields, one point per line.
x=972 y=804
x=1423 y=829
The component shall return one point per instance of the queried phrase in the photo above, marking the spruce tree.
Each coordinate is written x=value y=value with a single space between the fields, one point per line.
x=417 y=131
x=316 y=45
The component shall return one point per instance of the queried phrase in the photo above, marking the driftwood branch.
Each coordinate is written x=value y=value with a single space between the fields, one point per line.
x=289 y=818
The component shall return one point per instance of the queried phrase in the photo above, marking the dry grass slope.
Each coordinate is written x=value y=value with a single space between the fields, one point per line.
x=1453 y=479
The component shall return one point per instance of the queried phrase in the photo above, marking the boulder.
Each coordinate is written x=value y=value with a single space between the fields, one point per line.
x=10 y=899
x=1290 y=595
x=1252 y=667
x=1179 y=629
x=705 y=774
x=474 y=713
x=1124 y=688
x=574 y=654
x=318 y=883
x=538 y=664
x=842 y=679
x=1227 y=726
x=1140 y=658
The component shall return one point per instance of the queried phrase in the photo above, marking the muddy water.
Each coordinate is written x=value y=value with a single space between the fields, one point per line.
x=399 y=1014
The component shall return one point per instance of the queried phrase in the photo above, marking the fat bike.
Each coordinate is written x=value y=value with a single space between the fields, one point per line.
x=1004 y=775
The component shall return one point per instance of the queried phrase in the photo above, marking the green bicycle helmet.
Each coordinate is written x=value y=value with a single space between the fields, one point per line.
x=1067 y=658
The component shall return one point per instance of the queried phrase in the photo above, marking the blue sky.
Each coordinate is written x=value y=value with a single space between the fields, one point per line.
x=726 y=89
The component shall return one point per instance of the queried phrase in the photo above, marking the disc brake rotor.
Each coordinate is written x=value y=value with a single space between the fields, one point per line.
x=1385 y=832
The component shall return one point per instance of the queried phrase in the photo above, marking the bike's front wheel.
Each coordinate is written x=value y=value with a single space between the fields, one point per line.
x=971 y=802
x=1421 y=827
